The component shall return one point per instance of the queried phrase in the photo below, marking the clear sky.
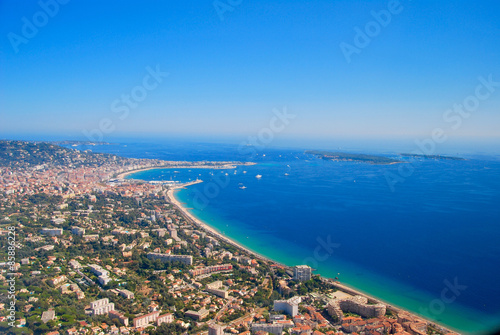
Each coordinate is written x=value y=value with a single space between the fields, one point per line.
x=230 y=63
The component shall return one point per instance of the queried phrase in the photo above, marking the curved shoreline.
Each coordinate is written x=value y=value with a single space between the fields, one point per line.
x=222 y=166
x=341 y=286
x=173 y=200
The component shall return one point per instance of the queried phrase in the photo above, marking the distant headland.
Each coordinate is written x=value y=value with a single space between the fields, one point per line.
x=349 y=157
x=433 y=157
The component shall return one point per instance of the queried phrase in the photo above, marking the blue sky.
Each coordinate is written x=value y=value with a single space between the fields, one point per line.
x=225 y=77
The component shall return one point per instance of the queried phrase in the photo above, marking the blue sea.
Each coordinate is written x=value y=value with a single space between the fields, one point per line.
x=424 y=235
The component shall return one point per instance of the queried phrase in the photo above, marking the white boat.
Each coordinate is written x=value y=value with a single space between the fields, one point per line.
x=244 y=172
x=227 y=174
x=258 y=176
x=286 y=174
x=242 y=187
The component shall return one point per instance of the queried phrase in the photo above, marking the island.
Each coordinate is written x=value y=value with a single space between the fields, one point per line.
x=350 y=157
x=433 y=157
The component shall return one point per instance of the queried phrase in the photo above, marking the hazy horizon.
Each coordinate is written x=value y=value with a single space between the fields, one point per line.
x=383 y=69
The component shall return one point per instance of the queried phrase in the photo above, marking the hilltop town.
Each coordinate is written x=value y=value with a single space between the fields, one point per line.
x=84 y=251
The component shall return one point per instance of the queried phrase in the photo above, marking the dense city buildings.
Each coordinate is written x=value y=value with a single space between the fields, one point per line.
x=100 y=254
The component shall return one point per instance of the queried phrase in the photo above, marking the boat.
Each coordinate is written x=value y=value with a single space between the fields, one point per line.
x=242 y=187
x=258 y=176
x=286 y=174
x=244 y=172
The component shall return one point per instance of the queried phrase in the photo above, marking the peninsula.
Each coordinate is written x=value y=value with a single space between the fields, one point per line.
x=439 y=157
x=350 y=157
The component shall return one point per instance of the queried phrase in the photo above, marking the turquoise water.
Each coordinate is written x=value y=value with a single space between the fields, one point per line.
x=438 y=226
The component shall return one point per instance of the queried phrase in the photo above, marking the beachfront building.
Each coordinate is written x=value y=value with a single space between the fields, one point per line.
x=359 y=305
x=302 y=273
x=188 y=260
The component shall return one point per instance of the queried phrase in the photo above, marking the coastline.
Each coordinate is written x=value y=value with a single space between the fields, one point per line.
x=170 y=195
x=351 y=290
x=231 y=165
x=340 y=286
x=190 y=217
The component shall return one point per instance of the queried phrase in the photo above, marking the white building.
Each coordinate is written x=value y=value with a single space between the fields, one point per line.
x=165 y=318
x=102 y=306
x=98 y=270
x=218 y=289
x=52 y=231
x=302 y=273
x=290 y=306
x=143 y=321
x=272 y=328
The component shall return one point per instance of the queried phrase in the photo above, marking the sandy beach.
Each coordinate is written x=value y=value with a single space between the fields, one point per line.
x=341 y=287
x=204 y=226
